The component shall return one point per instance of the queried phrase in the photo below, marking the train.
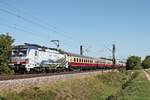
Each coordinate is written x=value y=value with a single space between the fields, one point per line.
x=36 y=58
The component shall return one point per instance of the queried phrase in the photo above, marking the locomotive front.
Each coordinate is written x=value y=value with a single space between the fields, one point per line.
x=19 y=58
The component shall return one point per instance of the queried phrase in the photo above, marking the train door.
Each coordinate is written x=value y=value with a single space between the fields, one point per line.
x=36 y=58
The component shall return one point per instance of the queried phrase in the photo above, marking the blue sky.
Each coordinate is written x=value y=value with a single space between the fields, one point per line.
x=96 y=24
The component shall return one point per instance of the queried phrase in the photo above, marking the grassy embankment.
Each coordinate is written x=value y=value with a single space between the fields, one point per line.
x=109 y=86
x=136 y=88
x=148 y=71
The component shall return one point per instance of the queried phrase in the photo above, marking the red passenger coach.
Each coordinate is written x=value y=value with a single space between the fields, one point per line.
x=84 y=62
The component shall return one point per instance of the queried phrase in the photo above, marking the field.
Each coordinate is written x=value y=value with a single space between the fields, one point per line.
x=110 y=86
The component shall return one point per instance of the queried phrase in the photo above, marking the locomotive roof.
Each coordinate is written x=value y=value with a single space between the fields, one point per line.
x=26 y=45
x=59 y=50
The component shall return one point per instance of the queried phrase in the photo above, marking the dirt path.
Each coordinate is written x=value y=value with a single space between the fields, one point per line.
x=147 y=75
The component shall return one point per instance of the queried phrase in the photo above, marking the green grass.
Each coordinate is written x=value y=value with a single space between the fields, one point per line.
x=111 y=86
x=137 y=89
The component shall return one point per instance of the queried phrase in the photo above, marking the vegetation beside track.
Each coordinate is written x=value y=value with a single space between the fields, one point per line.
x=136 y=89
x=148 y=71
x=5 y=54
x=128 y=85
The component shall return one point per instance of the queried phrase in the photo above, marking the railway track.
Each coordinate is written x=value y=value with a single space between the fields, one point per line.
x=24 y=76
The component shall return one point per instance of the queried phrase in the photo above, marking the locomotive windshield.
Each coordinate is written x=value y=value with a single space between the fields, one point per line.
x=19 y=51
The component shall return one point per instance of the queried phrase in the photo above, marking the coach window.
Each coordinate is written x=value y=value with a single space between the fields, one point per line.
x=77 y=59
x=74 y=59
x=80 y=60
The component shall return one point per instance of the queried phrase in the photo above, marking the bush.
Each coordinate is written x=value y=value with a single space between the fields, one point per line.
x=5 y=53
x=133 y=62
x=146 y=62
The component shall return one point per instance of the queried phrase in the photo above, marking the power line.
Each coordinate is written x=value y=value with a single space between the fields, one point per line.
x=30 y=21
x=18 y=10
x=53 y=28
x=23 y=18
x=19 y=29
x=22 y=29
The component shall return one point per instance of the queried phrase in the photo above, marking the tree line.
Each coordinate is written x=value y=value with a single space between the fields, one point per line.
x=135 y=62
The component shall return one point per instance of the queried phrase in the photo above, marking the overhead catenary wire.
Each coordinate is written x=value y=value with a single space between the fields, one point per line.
x=17 y=28
x=21 y=29
x=32 y=22
x=26 y=13
x=31 y=32
x=25 y=19
x=36 y=21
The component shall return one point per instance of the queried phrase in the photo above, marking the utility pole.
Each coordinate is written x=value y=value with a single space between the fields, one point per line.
x=113 y=54
x=56 y=42
x=81 y=50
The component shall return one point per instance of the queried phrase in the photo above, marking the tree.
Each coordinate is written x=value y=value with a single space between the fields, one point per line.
x=5 y=53
x=133 y=62
x=146 y=62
